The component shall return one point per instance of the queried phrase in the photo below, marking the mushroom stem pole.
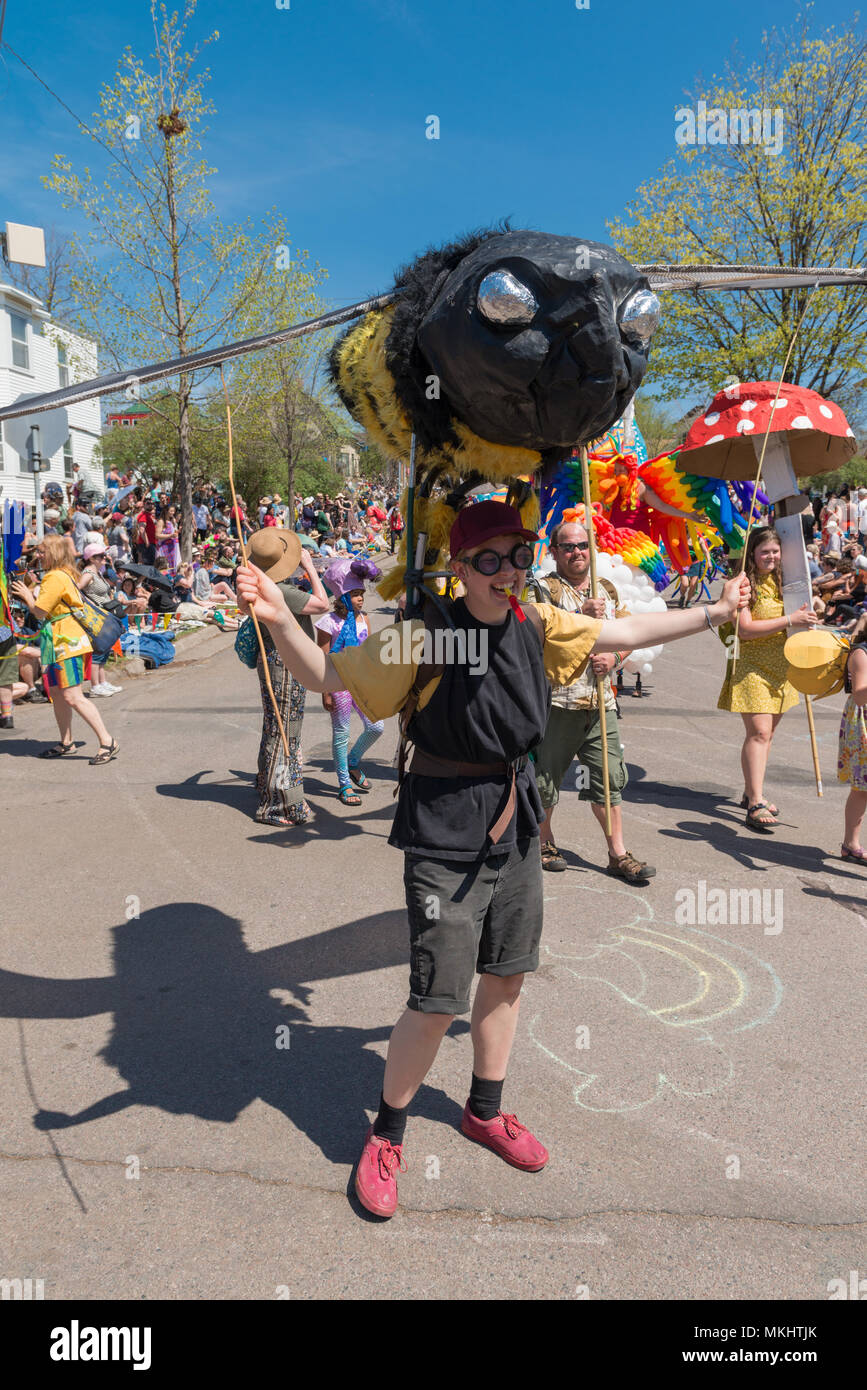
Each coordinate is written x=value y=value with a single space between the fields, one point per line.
x=600 y=680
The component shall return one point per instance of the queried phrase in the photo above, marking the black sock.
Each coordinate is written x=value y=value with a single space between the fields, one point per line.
x=390 y=1123
x=485 y=1097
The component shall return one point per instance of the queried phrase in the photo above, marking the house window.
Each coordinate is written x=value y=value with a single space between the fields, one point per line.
x=62 y=365
x=126 y=422
x=20 y=354
x=67 y=459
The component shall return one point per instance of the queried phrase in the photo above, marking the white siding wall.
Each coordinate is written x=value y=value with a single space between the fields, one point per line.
x=43 y=375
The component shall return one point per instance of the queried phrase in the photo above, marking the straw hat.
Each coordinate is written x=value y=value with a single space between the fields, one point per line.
x=275 y=551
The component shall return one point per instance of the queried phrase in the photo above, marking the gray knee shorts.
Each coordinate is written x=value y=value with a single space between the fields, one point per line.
x=484 y=917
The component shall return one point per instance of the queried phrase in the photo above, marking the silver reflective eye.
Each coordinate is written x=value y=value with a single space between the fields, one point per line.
x=640 y=318
x=503 y=299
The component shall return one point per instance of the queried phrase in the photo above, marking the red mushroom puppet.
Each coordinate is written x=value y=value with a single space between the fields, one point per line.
x=808 y=435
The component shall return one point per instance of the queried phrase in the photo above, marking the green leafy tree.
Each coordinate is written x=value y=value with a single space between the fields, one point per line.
x=741 y=202
x=854 y=473
x=281 y=395
x=157 y=274
x=658 y=429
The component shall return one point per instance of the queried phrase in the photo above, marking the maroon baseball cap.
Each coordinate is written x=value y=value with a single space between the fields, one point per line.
x=481 y=521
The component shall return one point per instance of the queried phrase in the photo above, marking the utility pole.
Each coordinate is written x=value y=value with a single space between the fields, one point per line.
x=38 y=467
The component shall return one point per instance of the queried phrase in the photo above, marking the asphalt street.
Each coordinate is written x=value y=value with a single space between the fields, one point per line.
x=195 y=1010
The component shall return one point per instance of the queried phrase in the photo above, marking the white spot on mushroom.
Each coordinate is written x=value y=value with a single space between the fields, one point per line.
x=850 y=432
x=717 y=438
x=826 y=411
x=780 y=404
x=801 y=422
x=744 y=425
x=748 y=405
x=711 y=419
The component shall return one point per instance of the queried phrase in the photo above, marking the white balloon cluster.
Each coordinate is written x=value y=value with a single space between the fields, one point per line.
x=638 y=595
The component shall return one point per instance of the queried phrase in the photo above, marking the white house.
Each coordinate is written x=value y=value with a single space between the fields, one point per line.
x=36 y=355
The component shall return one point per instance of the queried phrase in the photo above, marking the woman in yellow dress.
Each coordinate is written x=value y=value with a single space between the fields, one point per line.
x=755 y=686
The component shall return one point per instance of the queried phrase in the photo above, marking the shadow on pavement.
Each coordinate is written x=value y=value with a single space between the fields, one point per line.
x=197 y=1026
x=240 y=795
x=726 y=832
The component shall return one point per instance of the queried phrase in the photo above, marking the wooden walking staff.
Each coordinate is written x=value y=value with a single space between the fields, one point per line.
x=808 y=699
x=600 y=680
x=259 y=639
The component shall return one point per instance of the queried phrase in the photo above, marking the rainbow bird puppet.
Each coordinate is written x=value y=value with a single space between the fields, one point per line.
x=659 y=518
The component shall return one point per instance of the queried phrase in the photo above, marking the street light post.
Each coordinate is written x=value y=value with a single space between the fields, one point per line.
x=36 y=465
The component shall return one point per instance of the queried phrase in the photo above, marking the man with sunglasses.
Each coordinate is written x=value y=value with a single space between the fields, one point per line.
x=574 y=725
x=468 y=811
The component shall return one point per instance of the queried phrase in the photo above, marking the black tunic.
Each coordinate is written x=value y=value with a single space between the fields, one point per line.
x=495 y=717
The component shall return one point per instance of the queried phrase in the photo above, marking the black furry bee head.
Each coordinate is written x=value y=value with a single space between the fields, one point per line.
x=501 y=350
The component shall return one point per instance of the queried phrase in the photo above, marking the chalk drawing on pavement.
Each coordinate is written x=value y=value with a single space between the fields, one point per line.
x=651 y=1005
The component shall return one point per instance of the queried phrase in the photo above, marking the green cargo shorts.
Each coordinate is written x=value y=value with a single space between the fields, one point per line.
x=576 y=733
x=466 y=918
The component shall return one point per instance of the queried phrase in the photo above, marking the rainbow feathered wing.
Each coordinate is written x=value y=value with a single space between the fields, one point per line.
x=658 y=544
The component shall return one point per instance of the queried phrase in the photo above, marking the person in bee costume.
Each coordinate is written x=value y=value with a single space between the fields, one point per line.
x=499 y=352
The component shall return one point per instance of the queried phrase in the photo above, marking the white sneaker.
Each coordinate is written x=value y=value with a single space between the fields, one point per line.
x=101 y=692
x=113 y=689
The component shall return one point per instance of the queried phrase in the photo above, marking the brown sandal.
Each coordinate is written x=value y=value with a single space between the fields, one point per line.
x=552 y=859
x=762 y=823
x=745 y=805
x=630 y=869
x=107 y=751
x=60 y=750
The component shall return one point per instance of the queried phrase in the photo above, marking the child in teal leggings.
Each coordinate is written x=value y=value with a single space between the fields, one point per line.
x=346 y=626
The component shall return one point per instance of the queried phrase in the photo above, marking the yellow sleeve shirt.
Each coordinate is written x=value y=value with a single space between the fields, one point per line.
x=379 y=673
x=57 y=594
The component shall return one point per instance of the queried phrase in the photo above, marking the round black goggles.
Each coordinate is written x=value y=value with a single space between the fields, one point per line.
x=491 y=561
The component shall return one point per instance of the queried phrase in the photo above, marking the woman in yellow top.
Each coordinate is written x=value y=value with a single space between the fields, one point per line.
x=59 y=595
x=756 y=685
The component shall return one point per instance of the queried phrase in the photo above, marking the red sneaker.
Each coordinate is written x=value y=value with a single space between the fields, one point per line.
x=375 y=1176
x=511 y=1140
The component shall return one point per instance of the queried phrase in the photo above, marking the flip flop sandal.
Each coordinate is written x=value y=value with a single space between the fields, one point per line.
x=358 y=779
x=858 y=856
x=348 y=797
x=765 y=824
x=774 y=810
x=59 y=750
x=107 y=751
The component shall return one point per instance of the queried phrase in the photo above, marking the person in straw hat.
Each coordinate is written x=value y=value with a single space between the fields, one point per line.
x=278 y=553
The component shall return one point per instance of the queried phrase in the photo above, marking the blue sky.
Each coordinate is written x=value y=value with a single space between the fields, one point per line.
x=549 y=114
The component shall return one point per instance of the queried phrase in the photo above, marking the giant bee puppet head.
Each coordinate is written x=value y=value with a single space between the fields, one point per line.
x=501 y=353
